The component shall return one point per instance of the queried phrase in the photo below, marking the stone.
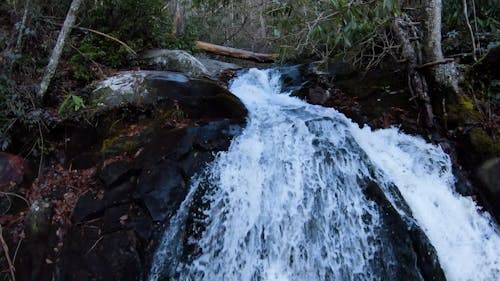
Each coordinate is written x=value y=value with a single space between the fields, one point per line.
x=318 y=95
x=195 y=97
x=112 y=172
x=489 y=174
x=38 y=221
x=90 y=255
x=162 y=188
x=88 y=207
x=115 y=218
x=123 y=193
x=175 y=60
x=216 y=67
x=12 y=168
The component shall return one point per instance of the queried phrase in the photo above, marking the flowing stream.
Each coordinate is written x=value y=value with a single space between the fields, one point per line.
x=289 y=200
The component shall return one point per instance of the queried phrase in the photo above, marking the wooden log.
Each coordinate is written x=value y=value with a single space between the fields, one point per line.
x=236 y=53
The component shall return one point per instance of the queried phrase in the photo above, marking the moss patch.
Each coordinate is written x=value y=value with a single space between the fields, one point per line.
x=462 y=111
x=484 y=144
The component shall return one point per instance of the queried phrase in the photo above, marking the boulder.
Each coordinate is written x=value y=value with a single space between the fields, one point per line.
x=163 y=189
x=216 y=67
x=489 y=174
x=196 y=98
x=88 y=207
x=174 y=60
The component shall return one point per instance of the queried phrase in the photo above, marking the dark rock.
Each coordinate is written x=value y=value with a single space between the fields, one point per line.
x=318 y=95
x=88 y=207
x=163 y=189
x=143 y=227
x=122 y=194
x=198 y=98
x=489 y=63
x=112 y=172
x=215 y=136
x=404 y=240
x=339 y=70
x=489 y=174
x=38 y=221
x=116 y=218
x=12 y=170
x=171 y=144
x=91 y=256
x=196 y=161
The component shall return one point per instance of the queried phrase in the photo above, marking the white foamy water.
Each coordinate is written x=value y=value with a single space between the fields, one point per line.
x=286 y=201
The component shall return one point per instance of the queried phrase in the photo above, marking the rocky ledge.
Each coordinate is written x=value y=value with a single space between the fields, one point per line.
x=144 y=135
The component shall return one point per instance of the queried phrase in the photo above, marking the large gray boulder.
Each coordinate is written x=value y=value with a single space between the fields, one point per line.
x=181 y=61
x=174 y=60
x=196 y=97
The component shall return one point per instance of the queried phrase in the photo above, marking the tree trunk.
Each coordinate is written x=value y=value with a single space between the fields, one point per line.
x=416 y=81
x=445 y=76
x=56 y=53
x=236 y=53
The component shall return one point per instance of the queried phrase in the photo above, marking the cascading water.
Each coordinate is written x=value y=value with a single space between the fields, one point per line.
x=290 y=200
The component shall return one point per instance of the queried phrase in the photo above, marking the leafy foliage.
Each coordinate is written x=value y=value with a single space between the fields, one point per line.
x=71 y=103
x=484 y=16
x=323 y=28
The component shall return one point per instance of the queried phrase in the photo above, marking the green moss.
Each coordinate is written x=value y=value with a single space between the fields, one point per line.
x=484 y=144
x=462 y=111
x=466 y=103
x=119 y=145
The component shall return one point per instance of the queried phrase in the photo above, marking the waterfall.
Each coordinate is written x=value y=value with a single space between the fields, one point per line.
x=290 y=200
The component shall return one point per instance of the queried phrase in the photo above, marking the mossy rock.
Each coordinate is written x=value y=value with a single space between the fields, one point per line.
x=484 y=144
x=39 y=219
x=462 y=111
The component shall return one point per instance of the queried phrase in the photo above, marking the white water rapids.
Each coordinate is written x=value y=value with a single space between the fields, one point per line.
x=286 y=201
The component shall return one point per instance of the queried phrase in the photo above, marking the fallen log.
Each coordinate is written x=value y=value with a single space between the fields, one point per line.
x=236 y=53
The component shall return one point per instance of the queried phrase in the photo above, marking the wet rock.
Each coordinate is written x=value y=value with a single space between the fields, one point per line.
x=146 y=162
x=12 y=170
x=38 y=221
x=216 y=67
x=174 y=60
x=162 y=188
x=417 y=258
x=336 y=69
x=88 y=207
x=489 y=173
x=318 y=95
x=489 y=176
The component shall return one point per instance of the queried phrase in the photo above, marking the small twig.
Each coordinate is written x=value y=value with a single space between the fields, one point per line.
x=94 y=245
x=127 y=47
x=17 y=249
x=432 y=63
x=40 y=166
x=130 y=50
x=6 y=251
x=15 y=195
x=473 y=40
x=88 y=58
